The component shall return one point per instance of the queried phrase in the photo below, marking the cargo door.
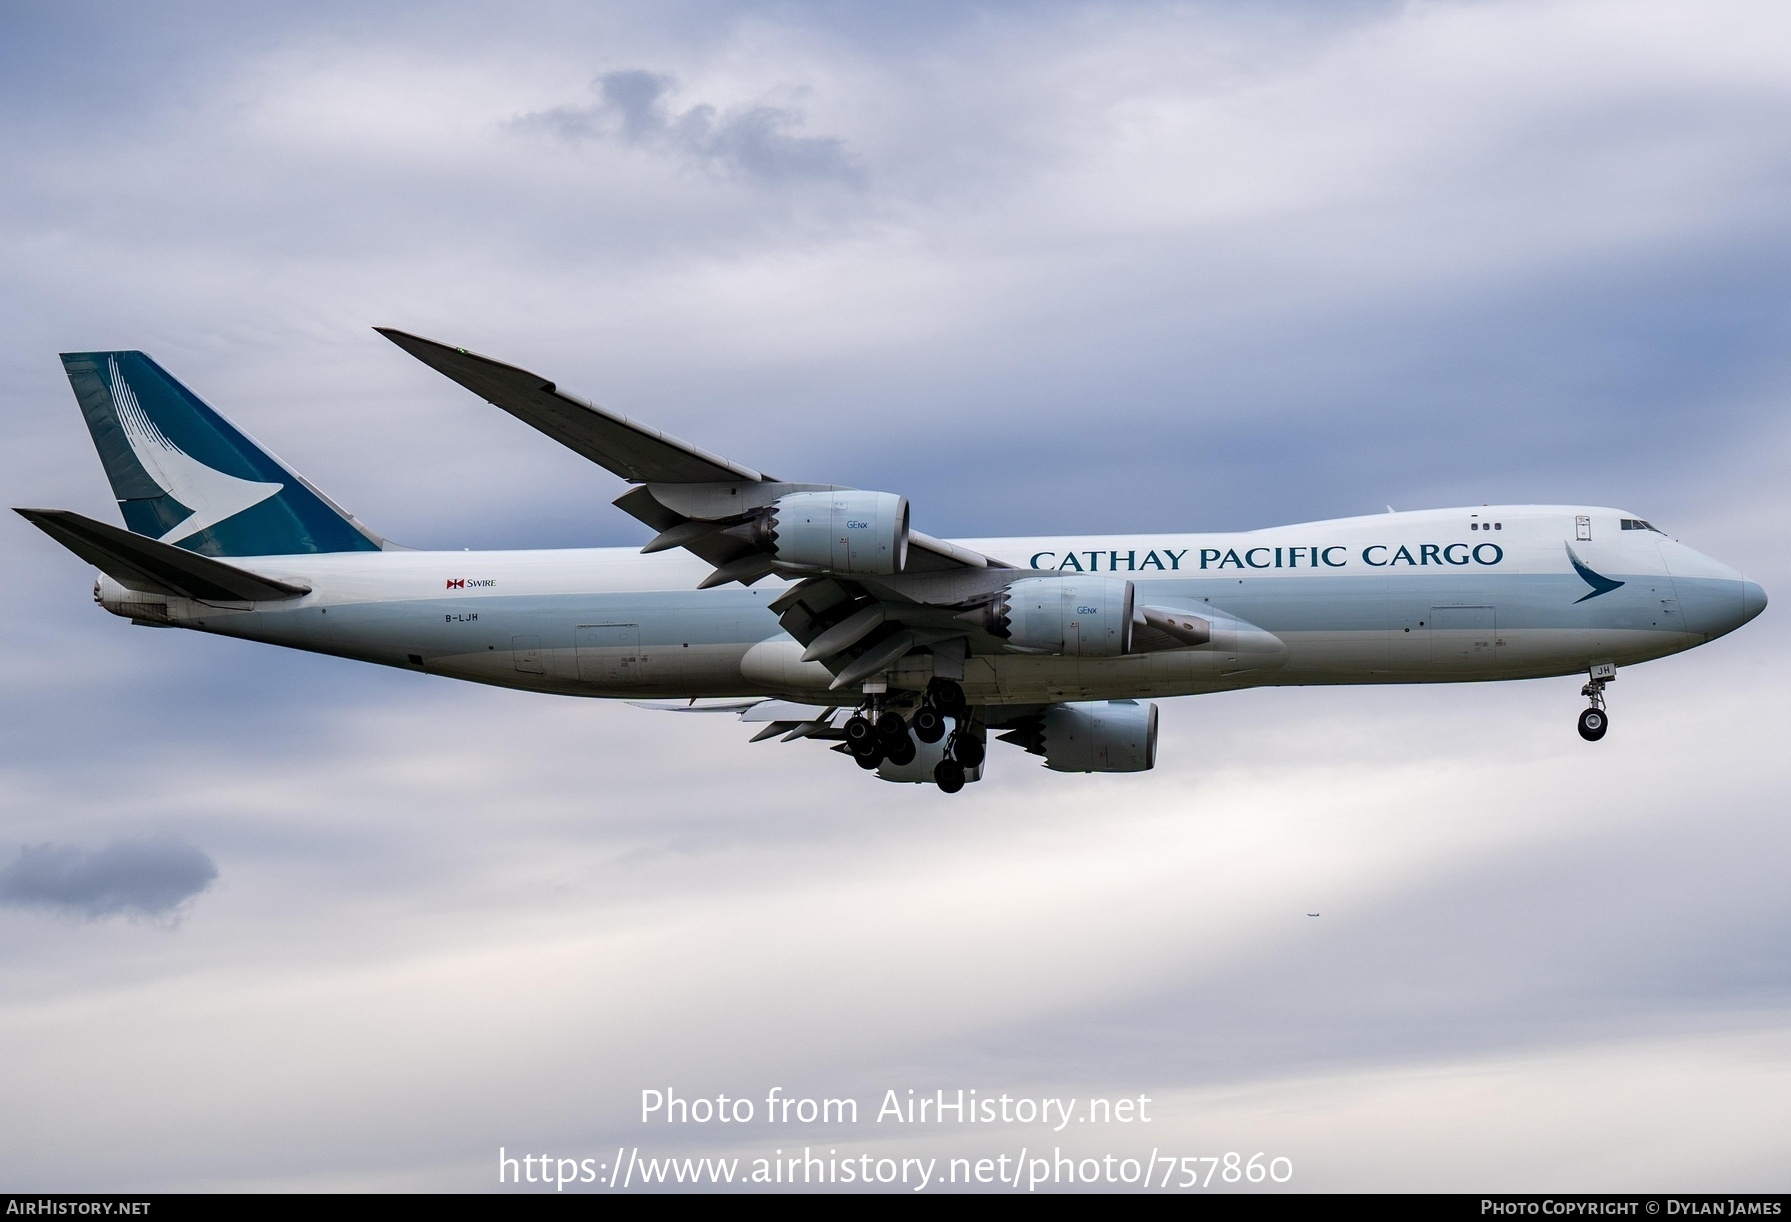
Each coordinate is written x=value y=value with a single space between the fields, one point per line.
x=609 y=655
x=1462 y=638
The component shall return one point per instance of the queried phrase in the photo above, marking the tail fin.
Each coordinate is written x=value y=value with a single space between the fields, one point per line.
x=185 y=475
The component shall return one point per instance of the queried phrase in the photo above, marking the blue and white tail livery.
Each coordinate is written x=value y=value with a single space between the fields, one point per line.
x=185 y=475
x=815 y=611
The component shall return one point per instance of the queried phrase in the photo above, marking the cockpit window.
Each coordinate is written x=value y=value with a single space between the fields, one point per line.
x=1638 y=524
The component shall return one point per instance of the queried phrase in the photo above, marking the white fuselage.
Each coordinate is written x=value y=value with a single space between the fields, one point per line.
x=1434 y=596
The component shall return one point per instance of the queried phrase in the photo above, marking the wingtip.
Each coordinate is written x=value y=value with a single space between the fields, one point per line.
x=418 y=345
x=409 y=340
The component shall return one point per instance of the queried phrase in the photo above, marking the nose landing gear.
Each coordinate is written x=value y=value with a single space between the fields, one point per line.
x=1595 y=721
x=1593 y=724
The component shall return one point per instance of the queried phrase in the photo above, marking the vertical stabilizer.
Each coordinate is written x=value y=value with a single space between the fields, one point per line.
x=185 y=475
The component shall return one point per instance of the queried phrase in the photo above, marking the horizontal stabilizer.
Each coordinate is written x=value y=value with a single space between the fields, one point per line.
x=616 y=443
x=141 y=563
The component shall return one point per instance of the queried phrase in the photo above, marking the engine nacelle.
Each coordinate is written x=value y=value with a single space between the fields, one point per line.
x=841 y=532
x=1100 y=736
x=1078 y=617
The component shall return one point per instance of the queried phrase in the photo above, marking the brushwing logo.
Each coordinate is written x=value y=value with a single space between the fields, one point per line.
x=212 y=495
x=1598 y=581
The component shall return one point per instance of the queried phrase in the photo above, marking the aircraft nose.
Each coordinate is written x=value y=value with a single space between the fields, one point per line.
x=1753 y=600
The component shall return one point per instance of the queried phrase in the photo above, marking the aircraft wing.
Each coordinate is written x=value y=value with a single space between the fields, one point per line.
x=686 y=491
x=632 y=450
x=717 y=509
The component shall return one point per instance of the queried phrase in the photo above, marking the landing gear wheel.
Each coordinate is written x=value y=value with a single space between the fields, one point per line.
x=901 y=753
x=967 y=751
x=1595 y=721
x=891 y=730
x=948 y=698
x=861 y=735
x=869 y=761
x=929 y=724
x=948 y=775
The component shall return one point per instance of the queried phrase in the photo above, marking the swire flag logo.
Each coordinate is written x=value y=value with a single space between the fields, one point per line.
x=456 y=583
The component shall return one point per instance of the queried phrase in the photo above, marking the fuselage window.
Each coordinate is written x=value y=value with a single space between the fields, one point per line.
x=1638 y=524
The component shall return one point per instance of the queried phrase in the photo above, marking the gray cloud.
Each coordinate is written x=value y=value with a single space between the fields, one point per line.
x=753 y=142
x=149 y=877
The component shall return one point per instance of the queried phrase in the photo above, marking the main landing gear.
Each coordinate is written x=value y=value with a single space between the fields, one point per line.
x=943 y=699
x=962 y=753
x=1595 y=721
x=886 y=738
x=873 y=737
x=865 y=740
x=964 y=749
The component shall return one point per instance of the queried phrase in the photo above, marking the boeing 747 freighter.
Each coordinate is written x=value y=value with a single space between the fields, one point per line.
x=816 y=611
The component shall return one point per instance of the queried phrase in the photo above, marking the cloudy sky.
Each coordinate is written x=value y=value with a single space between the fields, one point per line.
x=272 y=921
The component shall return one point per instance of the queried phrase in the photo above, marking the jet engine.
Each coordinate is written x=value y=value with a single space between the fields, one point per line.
x=1078 y=617
x=847 y=532
x=1100 y=736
